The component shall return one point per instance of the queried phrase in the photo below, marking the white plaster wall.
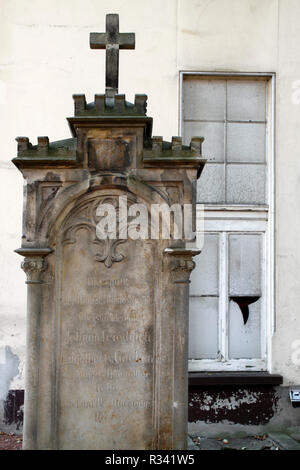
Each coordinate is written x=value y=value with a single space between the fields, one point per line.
x=45 y=58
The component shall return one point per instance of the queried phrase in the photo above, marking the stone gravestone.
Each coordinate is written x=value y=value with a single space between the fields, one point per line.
x=107 y=318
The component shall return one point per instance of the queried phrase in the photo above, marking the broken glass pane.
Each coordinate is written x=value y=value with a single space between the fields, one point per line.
x=244 y=338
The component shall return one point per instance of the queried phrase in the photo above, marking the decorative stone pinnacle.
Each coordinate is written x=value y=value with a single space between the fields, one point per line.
x=43 y=143
x=176 y=144
x=112 y=40
x=196 y=145
x=23 y=144
x=157 y=142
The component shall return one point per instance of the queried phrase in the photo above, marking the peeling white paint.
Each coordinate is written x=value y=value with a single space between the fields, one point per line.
x=209 y=403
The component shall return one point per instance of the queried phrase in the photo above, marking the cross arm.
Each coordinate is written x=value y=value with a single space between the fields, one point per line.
x=126 y=40
x=98 y=40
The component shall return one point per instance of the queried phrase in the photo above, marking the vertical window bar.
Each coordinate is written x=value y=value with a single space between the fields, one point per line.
x=265 y=293
x=223 y=303
x=225 y=143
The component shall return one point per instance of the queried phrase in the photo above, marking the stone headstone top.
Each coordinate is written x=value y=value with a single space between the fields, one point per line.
x=107 y=318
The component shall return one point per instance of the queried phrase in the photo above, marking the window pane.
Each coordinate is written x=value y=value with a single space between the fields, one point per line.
x=211 y=184
x=245 y=265
x=246 y=142
x=213 y=145
x=246 y=100
x=244 y=338
x=205 y=276
x=203 y=328
x=204 y=99
x=245 y=184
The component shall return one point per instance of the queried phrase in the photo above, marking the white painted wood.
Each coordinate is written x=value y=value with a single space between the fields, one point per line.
x=223 y=322
x=265 y=313
x=234 y=208
x=227 y=225
x=233 y=365
x=223 y=279
x=270 y=238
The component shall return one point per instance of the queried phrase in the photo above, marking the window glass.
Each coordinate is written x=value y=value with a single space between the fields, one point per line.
x=231 y=115
x=244 y=265
x=203 y=321
x=204 y=302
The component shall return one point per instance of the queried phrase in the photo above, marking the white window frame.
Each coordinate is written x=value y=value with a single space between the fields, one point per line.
x=243 y=219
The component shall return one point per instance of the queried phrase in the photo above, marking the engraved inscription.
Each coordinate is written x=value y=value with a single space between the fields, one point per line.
x=106 y=337
x=98 y=282
x=107 y=353
x=77 y=299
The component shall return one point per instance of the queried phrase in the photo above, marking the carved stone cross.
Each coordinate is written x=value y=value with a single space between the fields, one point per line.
x=112 y=41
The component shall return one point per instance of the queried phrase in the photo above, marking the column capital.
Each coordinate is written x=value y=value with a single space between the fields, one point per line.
x=34 y=263
x=33 y=267
x=181 y=263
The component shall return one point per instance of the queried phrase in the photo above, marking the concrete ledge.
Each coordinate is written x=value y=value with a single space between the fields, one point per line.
x=200 y=379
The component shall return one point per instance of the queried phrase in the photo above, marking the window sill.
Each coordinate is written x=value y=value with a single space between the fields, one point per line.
x=210 y=379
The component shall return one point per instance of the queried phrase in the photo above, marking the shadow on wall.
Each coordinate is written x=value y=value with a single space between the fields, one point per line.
x=9 y=368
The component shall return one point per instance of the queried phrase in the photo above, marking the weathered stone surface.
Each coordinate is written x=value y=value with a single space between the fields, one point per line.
x=107 y=343
x=112 y=41
x=107 y=319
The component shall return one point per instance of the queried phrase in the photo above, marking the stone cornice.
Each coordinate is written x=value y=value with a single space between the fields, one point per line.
x=33 y=251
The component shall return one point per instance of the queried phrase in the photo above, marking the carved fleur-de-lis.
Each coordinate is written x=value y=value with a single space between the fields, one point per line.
x=109 y=255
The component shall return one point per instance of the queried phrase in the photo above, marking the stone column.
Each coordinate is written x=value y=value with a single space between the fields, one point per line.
x=181 y=266
x=34 y=264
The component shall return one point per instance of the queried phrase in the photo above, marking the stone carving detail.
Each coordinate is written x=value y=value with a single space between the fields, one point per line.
x=181 y=264
x=181 y=269
x=86 y=218
x=109 y=255
x=33 y=267
x=109 y=154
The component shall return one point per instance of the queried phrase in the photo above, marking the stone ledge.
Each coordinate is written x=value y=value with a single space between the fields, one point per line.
x=200 y=379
